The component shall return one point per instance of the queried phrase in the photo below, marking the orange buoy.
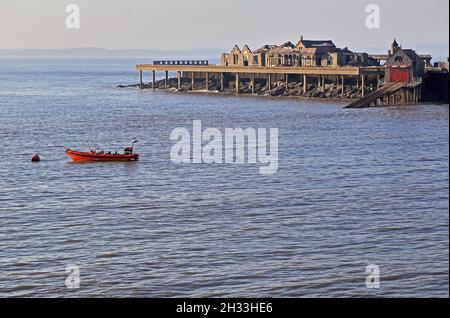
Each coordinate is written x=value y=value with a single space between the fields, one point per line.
x=36 y=158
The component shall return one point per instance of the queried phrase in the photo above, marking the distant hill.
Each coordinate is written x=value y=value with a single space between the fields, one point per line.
x=110 y=53
x=439 y=52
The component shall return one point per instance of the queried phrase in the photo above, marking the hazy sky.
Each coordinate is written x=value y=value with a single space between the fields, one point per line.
x=188 y=24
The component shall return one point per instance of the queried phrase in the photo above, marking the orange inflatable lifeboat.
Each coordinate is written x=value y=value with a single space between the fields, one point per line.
x=102 y=156
x=93 y=155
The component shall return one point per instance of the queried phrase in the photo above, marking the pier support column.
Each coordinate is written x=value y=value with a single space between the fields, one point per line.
x=253 y=83
x=237 y=83
x=305 y=84
x=207 y=81
x=287 y=81
x=179 y=80
x=319 y=82
x=323 y=83
x=221 y=82
x=154 y=80
x=357 y=83
x=192 y=83
x=343 y=85
x=166 y=80
x=363 y=88
x=378 y=81
x=141 y=83
x=269 y=82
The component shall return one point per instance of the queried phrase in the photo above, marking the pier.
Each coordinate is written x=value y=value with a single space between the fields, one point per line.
x=311 y=68
x=317 y=75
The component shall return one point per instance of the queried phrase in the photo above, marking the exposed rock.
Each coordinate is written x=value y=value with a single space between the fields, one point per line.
x=295 y=89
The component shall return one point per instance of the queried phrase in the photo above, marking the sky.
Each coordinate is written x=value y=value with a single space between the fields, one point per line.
x=193 y=24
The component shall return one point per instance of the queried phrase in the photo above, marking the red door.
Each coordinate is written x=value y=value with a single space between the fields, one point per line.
x=398 y=74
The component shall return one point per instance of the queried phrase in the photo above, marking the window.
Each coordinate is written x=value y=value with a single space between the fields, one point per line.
x=245 y=60
x=399 y=59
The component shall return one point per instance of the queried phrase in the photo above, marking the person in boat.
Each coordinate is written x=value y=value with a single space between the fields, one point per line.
x=128 y=151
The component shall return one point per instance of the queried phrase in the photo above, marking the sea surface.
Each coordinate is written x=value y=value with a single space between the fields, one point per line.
x=354 y=188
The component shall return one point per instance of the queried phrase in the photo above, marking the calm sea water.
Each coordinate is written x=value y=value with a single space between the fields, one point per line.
x=354 y=187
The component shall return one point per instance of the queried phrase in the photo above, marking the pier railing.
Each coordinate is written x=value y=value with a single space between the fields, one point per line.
x=182 y=62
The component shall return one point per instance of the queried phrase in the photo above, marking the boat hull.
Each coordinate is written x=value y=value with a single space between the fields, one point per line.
x=92 y=157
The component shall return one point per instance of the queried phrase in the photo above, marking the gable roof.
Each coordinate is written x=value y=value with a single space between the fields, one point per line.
x=288 y=44
x=316 y=43
x=411 y=53
x=344 y=50
x=407 y=57
x=246 y=48
x=236 y=48
x=265 y=48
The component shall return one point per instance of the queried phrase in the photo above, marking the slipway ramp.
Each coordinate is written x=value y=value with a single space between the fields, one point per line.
x=371 y=98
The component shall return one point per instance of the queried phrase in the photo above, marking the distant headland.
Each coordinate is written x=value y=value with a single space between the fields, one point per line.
x=103 y=53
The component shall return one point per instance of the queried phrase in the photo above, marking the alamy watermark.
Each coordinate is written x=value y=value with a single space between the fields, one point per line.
x=373 y=20
x=373 y=276
x=73 y=277
x=73 y=17
x=212 y=146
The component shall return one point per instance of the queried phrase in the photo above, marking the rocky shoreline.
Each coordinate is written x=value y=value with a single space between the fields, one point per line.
x=295 y=89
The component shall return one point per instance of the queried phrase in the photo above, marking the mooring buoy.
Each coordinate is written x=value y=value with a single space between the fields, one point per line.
x=36 y=158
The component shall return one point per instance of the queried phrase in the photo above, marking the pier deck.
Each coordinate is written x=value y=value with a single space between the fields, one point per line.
x=353 y=71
